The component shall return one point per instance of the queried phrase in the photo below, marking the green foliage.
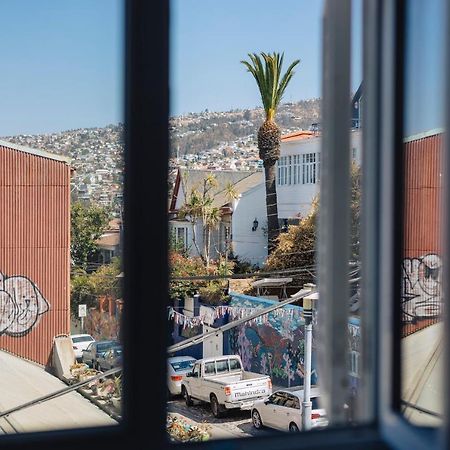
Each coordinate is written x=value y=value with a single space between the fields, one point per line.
x=86 y=287
x=183 y=266
x=213 y=292
x=88 y=223
x=81 y=291
x=267 y=72
x=296 y=247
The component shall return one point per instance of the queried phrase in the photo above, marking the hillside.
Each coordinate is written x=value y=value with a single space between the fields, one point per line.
x=197 y=132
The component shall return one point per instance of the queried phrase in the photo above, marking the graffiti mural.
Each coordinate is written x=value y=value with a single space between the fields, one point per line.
x=21 y=305
x=275 y=346
x=421 y=287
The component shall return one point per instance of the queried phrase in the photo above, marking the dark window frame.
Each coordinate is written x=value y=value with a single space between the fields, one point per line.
x=147 y=109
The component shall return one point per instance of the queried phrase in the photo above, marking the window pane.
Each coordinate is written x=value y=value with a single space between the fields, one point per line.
x=421 y=294
x=61 y=196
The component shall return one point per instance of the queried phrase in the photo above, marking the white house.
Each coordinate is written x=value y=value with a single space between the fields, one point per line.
x=298 y=171
x=235 y=232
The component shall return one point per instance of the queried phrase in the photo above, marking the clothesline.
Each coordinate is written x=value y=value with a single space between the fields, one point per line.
x=208 y=315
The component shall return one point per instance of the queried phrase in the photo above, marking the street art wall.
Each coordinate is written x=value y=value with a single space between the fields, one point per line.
x=21 y=305
x=34 y=251
x=275 y=345
x=421 y=289
x=421 y=294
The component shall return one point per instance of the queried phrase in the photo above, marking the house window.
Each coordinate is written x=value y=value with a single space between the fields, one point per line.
x=296 y=169
x=284 y=170
x=309 y=168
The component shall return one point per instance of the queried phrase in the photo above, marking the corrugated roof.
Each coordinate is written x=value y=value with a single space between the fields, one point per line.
x=35 y=152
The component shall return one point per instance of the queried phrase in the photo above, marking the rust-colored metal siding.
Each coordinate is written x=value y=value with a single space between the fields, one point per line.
x=422 y=295
x=34 y=252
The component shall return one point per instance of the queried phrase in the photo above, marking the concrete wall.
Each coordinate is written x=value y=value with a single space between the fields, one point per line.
x=250 y=245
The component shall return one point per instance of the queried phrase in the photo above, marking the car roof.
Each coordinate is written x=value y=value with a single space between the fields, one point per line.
x=180 y=358
x=81 y=335
x=109 y=341
x=298 y=392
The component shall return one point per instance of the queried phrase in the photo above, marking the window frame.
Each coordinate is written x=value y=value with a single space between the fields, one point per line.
x=146 y=114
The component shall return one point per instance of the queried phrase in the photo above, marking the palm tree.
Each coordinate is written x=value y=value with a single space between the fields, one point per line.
x=267 y=72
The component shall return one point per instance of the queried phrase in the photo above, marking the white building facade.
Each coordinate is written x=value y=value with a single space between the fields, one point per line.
x=298 y=171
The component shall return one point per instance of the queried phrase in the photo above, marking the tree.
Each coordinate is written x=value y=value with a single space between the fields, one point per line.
x=296 y=248
x=199 y=206
x=87 y=287
x=271 y=87
x=88 y=223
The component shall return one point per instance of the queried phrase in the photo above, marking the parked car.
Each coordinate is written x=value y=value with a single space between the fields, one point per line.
x=177 y=368
x=110 y=359
x=79 y=343
x=283 y=410
x=95 y=349
x=224 y=384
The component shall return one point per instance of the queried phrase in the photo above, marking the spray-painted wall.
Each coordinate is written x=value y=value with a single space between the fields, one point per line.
x=34 y=250
x=421 y=268
x=274 y=345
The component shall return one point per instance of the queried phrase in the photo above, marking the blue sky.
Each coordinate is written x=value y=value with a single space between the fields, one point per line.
x=62 y=60
x=210 y=38
x=62 y=64
x=424 y=106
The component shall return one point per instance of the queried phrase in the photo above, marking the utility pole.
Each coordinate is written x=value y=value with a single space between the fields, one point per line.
x=307 y=315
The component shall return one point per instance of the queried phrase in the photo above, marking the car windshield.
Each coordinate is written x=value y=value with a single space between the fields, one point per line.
x=103 y=347
x=82 y=339
x=178 y=366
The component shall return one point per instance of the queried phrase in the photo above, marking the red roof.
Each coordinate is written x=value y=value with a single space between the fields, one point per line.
x=298 y=135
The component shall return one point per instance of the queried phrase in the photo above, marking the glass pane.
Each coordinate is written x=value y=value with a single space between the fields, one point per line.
x=61 y=182
x=421 y=283
x=217 y=177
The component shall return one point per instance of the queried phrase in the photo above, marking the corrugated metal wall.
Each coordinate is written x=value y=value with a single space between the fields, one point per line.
x=34 y=252
x=422 y=295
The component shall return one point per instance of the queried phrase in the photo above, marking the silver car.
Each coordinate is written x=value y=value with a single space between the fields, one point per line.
x=177 y=368
x=283 y=410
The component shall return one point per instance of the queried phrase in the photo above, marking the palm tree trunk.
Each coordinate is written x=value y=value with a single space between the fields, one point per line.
x=271 y=206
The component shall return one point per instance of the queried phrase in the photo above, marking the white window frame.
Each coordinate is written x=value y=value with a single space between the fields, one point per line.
x=309 y=168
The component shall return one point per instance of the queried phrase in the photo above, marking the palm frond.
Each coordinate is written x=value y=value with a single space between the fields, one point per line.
x=266 y=69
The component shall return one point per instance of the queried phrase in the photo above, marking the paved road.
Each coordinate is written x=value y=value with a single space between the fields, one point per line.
x=235 y=423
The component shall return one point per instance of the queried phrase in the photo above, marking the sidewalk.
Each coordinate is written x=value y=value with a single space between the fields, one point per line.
x=22 y=381
x=216 y=431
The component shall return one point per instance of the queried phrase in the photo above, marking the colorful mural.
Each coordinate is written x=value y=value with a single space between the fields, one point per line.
x=275 y=346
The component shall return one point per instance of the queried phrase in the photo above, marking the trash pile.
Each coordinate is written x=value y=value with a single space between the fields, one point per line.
x=181 y=431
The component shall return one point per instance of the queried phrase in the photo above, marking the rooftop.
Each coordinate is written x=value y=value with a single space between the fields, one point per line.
x=35 y=152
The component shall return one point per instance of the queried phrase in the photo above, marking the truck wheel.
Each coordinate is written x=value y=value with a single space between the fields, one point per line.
x=293 y=428
x=187 y=397
x=216 y=409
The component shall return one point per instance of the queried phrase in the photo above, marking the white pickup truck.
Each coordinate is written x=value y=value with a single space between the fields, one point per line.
x=222 y=382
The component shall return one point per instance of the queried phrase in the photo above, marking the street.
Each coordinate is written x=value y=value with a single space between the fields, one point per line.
x=235 y=423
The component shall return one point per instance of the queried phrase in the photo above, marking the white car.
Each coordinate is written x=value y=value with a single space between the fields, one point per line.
x=79 y=343
x=177 y=368
x=283 y=411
